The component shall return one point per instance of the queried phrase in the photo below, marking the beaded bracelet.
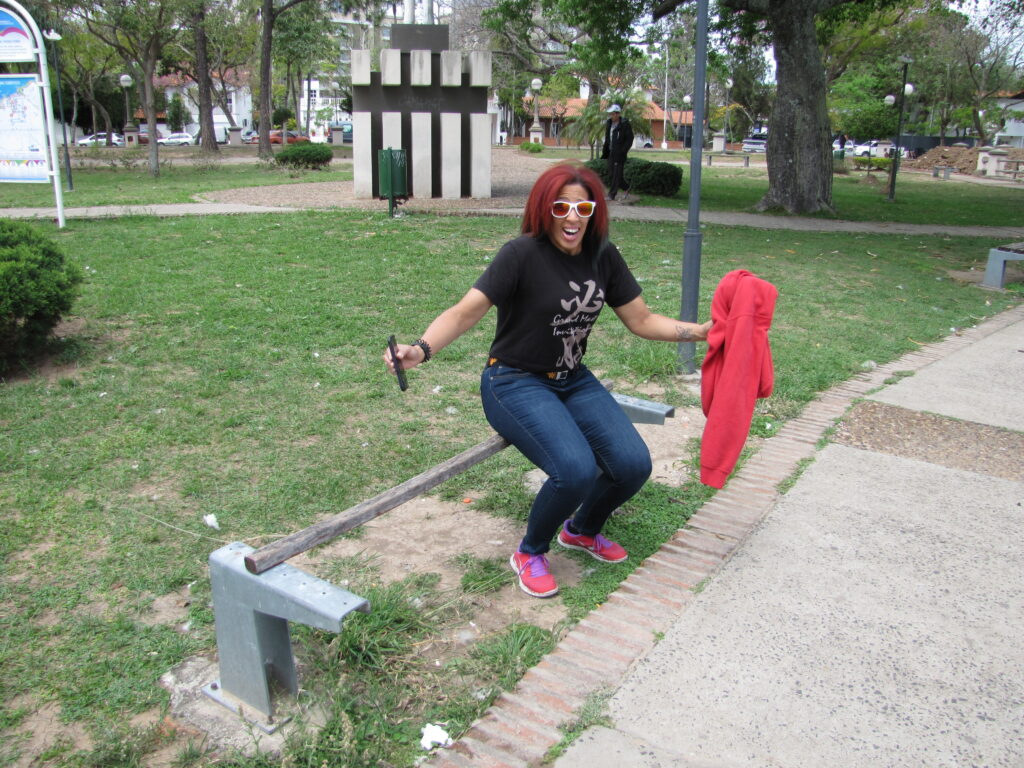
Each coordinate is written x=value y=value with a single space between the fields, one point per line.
x=427 y=353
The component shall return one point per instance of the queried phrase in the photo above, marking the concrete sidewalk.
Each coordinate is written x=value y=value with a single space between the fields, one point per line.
x=874 y=618
x=871 y=616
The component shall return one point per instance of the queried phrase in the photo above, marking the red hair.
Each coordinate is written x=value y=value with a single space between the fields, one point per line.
x=537 y=218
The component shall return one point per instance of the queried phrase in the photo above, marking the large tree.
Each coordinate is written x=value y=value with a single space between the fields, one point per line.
x=139 y=30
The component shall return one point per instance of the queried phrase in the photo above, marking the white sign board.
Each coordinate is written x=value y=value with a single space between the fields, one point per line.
x=15 y=39
x=22 y=130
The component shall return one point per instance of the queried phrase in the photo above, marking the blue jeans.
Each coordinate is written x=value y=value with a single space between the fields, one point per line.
x=574 y=430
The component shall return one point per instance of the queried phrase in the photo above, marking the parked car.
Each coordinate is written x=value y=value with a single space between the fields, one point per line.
x=346 y=133
x=100 y=140
x=755 y=144
x=144 y=135
x=871 y=148
x=249 y=136
x=176 y=139
x=292 y=137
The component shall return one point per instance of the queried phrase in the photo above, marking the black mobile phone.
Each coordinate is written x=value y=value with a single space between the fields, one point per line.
x=402 y=383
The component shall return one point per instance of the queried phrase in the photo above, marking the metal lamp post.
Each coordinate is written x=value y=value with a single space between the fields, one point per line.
x=905 y=91
x=728 y=103
x=536 y=131
x=126 y=83
x=54 y=37
x=664 y=123
x=687 y=100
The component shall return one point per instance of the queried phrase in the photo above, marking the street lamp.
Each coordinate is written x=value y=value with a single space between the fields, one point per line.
x=905 y=91
x=664 y=122
x=53 y=36
x=687 y=100
x=536 y=131
x=728 y=103
x=126 y=83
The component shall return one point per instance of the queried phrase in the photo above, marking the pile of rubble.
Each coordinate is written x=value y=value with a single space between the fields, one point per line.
x=964 y=159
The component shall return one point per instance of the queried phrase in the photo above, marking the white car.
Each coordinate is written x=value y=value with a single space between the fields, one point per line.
x=873 y=148
x=177 y=139
x=100 y=140
x=755 y=144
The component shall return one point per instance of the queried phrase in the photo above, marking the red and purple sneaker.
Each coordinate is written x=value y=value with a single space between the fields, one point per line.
x=534 y=576
x=598 y=546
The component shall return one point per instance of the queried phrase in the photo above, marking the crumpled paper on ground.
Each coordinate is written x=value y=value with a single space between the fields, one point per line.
x=434 y=734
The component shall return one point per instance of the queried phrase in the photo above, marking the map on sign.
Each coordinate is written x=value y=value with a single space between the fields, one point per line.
x=23 y=156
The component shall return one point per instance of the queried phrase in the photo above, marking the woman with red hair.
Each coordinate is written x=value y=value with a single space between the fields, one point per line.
x=549 y=285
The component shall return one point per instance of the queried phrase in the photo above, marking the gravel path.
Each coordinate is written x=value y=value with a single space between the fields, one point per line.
x=512 y=174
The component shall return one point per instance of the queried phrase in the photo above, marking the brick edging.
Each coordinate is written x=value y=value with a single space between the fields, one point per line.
x=598 y=652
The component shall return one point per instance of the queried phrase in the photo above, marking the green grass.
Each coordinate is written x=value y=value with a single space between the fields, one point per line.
x=857 y=196
x=180 y=178
x=232 y=366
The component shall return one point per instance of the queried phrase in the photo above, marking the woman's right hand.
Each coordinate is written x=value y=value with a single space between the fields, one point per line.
x=409 y=355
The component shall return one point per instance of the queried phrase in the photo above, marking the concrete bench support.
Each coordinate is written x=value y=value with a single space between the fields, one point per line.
x=945 y=170
x=995 y=269
x=251 y=614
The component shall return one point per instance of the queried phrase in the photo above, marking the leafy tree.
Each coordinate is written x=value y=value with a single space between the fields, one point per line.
x=88 y=67
x=178 y=115
x=139 y=30
x=304 y=44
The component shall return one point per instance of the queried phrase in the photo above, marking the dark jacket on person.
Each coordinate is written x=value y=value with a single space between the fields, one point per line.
x=617 y=143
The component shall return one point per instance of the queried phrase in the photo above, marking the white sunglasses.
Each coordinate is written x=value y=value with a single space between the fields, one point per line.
x=584 y=208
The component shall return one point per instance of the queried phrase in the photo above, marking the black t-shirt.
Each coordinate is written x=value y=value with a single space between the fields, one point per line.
x=548 y=301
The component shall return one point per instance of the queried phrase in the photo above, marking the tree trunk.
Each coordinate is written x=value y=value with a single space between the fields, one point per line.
x=149 y=108
x=799 y=151
x=266 y=112
x=206 y=129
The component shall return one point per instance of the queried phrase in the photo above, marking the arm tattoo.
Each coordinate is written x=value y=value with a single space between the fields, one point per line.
x=685 y=333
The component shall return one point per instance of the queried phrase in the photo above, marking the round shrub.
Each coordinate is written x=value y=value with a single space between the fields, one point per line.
x=37 y=287
x=643 y=176
x=312 y=156
x=653 y=178
x=531 y=146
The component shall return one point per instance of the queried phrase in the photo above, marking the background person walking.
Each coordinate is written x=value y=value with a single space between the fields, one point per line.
x=618 y=140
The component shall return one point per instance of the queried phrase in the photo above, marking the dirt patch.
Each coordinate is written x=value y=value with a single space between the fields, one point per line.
x=425 y=535
x=936 y=439
x=42 y=731
x=964 y=159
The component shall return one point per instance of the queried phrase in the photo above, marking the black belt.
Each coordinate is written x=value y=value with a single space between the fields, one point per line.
x=553 y=375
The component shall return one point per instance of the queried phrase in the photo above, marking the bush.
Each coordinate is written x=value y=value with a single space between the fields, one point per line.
x=37 y=288
x=313 y=156
x=644 y=176
x=653 y=178
x=531 y=146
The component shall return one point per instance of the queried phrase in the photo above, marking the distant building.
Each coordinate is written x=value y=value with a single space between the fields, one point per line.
x=1011 y=134
x=235 y=94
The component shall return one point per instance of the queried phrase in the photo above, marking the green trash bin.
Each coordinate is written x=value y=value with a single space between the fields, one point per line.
x=392 y=177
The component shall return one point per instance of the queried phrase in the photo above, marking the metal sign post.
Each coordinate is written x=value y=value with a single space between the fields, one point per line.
x=28 y=143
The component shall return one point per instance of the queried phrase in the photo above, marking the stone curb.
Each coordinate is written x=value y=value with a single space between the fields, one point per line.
x=598 y=653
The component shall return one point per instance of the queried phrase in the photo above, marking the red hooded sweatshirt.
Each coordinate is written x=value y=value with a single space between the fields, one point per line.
x=736 y=371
